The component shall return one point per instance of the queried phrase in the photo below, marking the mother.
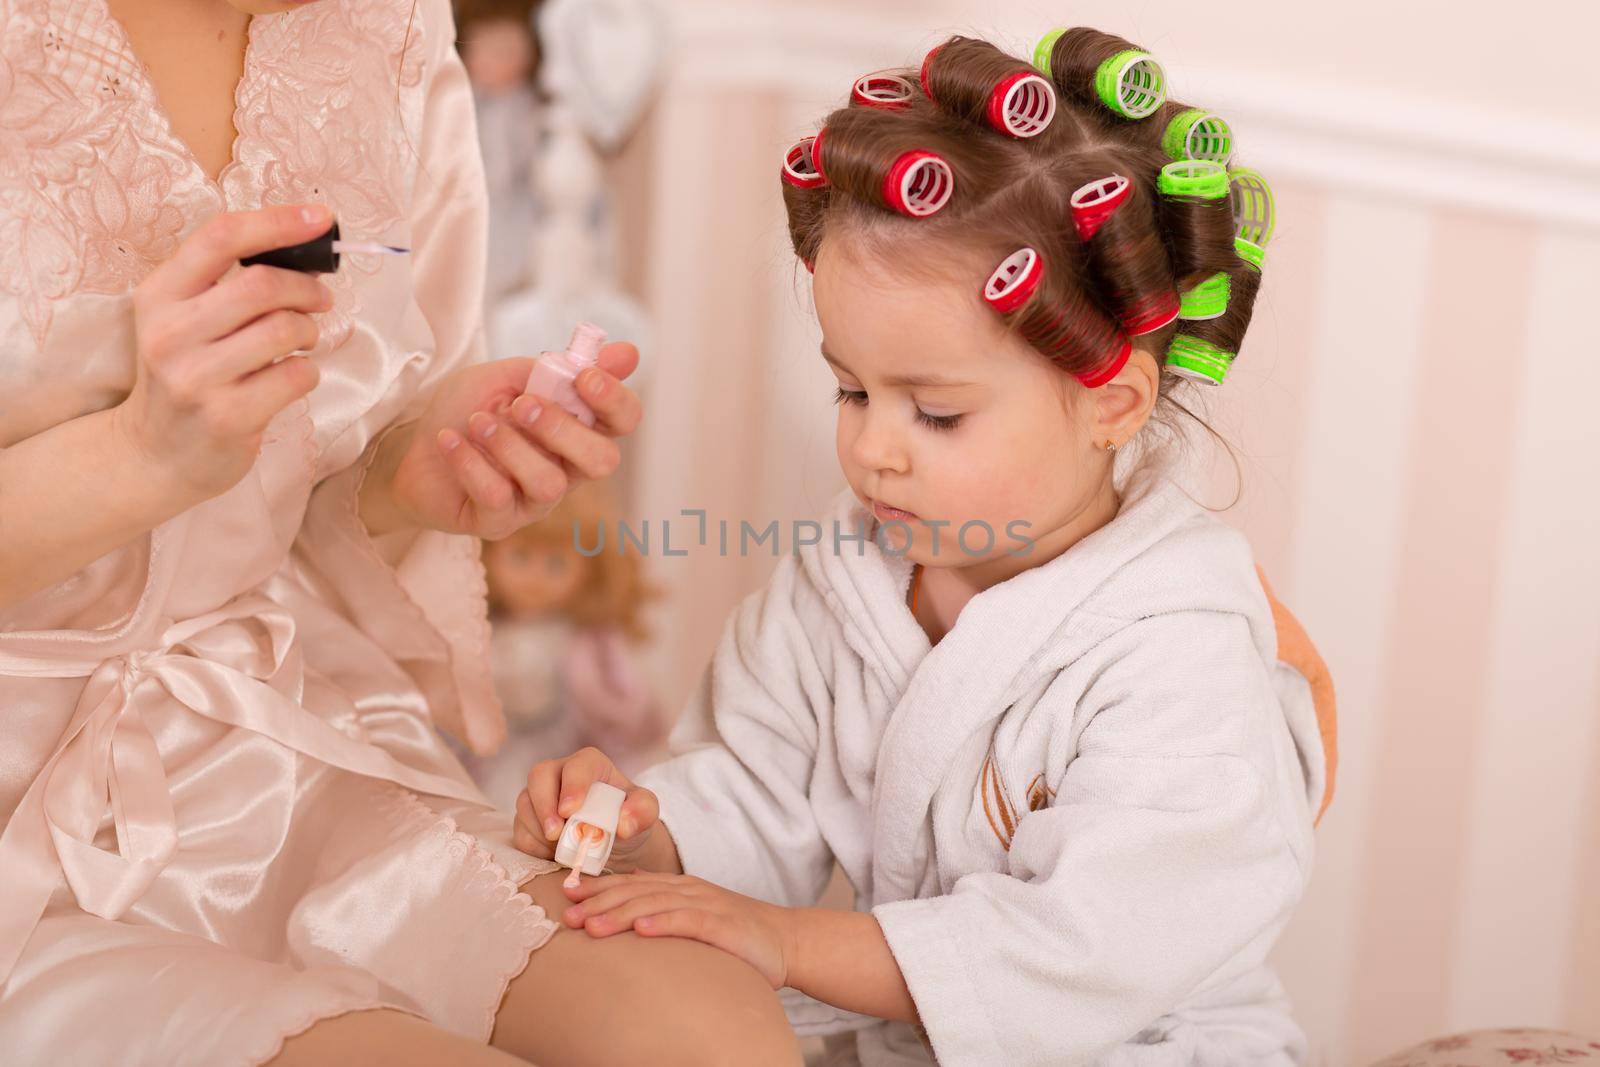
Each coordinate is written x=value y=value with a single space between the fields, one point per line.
x=237 y=595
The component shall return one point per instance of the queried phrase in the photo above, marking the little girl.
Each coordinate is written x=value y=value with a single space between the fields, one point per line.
x=1035 y=711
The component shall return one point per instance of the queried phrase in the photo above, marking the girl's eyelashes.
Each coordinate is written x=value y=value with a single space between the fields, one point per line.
x=842 y=395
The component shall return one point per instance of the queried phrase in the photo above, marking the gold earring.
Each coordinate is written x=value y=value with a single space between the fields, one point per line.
x=1111 y=446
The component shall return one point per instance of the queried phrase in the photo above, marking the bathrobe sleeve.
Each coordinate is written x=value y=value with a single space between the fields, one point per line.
x=735 y=793
x=1162 y=865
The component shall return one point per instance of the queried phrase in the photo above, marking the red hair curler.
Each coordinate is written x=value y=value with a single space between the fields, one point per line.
x=1096 y=201
x=919 y=183
x=922 y=76
x=1022 y=105
x=1095 y=379
x=816 y=153
x=1014 y=280
x=882 y=90
x=799 y=165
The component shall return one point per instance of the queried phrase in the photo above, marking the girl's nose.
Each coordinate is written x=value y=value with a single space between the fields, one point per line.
x=879 y=446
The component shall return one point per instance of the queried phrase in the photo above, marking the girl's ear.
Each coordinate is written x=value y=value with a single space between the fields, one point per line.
x=1122 y=406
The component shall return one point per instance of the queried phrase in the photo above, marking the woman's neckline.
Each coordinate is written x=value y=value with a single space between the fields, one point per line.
x=147 y=91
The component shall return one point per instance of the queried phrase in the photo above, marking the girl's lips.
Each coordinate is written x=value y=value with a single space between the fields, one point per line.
x=884 y=512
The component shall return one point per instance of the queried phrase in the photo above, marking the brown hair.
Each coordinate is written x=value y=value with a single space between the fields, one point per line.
x=613 y=591
x=1015 y=192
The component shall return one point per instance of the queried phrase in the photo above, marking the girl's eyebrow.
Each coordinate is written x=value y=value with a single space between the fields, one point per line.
x=911 y=381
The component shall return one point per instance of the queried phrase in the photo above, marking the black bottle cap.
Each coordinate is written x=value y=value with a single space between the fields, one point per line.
x=315 y=256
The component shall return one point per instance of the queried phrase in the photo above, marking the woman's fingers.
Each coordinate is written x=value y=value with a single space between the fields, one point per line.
x=249 y=294
x=616 y=407
x=255 y=346
x=588 y=452
x=618 y=359
x=541 y=480
x=206 y=254
x=493 y=494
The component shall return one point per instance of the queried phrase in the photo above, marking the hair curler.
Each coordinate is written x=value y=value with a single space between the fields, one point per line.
x=1014 y=280
x=882 y=90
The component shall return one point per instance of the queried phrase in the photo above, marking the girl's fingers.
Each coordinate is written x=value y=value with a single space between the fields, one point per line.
x=526 y=834
x=489 y=489
x=590 y=453
x=622 y=915
x=543 y=782
x=616 y=407
x=590 y=888
x=541 y=481
x=697 y=924
x=640 y=809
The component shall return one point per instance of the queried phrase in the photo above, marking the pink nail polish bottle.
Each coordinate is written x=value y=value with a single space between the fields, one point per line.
x=554 y=375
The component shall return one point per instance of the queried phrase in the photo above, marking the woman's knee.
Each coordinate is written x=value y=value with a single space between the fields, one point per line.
x=383 y=1037
x=626 y=999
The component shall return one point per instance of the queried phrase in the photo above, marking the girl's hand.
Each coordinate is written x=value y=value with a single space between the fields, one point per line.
x=555 y=790
x=206 y=384
x=487 y=459
x=679 y=905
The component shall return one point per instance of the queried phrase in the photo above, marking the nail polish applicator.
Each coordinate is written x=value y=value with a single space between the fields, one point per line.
x=320 y=255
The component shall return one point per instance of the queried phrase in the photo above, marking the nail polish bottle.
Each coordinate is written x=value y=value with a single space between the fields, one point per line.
x=586 y=840
x=555 y=373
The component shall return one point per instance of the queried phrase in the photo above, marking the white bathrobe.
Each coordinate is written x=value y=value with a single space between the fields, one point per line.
x=1081 y=819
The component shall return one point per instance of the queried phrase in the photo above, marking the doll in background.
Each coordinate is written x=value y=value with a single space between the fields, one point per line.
x=501 y=51
x=564 y=625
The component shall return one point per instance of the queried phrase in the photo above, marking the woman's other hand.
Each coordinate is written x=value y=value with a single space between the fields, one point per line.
x=486 y=458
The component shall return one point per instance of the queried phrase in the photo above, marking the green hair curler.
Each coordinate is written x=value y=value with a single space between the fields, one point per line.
x=1254 y=211
x=1197 y=360
x=1193 y=177
x=1208 y=300
x=1196 y=134
x=1045 y=49
x=1132 y=84
x=1250 y=252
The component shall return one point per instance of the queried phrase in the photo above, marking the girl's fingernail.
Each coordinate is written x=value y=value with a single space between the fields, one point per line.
x=574 y=915
x=313 y=213
x=485 y=427
x=449 y=440
x=530 y=412
x=552 y=828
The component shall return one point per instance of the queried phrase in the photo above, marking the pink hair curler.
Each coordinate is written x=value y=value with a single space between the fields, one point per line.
x=799 y=166
x=1014 y=280
x=1097 y=201
x=1022 y=105
x=919 y=183
x=882 y=90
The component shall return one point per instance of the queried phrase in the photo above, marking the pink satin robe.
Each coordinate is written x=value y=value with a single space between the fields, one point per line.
x=227 y=812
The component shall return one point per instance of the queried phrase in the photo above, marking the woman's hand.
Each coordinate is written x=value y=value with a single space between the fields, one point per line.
x=678 y=905
x=487 y=459
x=555 y=790
x=207 y=383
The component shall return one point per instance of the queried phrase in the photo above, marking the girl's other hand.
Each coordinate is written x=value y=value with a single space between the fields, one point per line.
x=555 y=790
x=487 y=459
x=214 y=362
x=677 y=905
